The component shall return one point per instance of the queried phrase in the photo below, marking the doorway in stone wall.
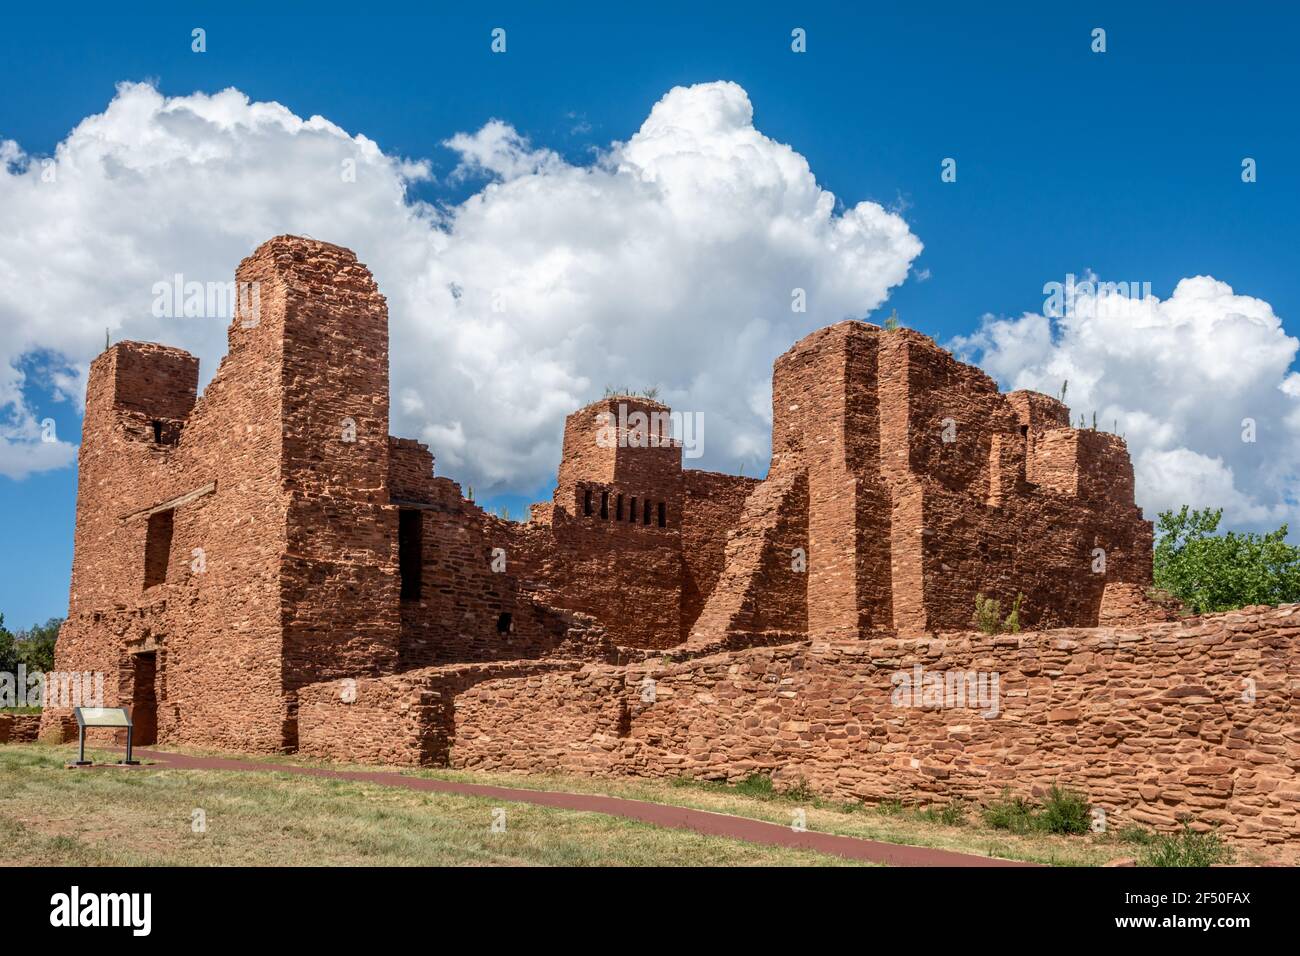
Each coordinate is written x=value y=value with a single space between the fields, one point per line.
x=144 y=698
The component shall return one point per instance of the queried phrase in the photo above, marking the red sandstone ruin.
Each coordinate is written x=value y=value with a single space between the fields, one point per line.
x=264 y=568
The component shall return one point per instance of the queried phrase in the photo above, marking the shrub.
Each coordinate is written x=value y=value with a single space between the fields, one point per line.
x=1012 y=623
x=758 y=785
x=1135 y=834
x=950 y=815
x=1015 y=814
x=1187 y=848
x=33 y=648
x=1065 y=811
x=799 y=792
x=988 y=614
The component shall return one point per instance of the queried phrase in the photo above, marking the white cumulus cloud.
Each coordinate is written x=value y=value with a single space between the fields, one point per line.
x=668 y=260
x=1189 y=379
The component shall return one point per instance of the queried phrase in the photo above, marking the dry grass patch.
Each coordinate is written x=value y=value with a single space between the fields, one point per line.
x=50 y=815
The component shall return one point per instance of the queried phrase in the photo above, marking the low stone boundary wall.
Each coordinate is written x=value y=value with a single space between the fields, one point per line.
x=1157 y=723
x=19 y=728
x=403 y=719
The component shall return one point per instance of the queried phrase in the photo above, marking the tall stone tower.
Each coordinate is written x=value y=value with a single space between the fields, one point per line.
x=233 y=547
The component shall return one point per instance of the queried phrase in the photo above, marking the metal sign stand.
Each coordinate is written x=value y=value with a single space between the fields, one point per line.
x=128 y=762
x=108 y=717
x=81 y=747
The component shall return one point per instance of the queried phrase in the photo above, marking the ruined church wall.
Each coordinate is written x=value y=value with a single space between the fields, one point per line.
x=217 y=623
x=221 y=685
x=217 y=613
x=713 y=505
x=999 y=499
x=1154 y=724
x=402 y=719
x=472 y=605
x=627 y=576
x=825 y=427
x=339 y=580
x=761 y=596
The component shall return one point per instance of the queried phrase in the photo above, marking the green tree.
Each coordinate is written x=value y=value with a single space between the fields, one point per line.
x=36 y=645
x=1220 y=572
x=8 y=649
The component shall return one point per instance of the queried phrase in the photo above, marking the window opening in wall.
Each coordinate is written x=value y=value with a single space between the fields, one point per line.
x=410 y=553
x=158 y=547
x=586 y=502
x=157 y=432
x=618 y=509
x=663 y=515
x=645 y=516
x=604 y=505
x=503 y=623
x=632 y=514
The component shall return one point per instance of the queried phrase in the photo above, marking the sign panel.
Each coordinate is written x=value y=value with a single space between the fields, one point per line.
x=102 y=717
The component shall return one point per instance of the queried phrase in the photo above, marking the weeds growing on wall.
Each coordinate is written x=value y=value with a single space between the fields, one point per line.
x=988 y=615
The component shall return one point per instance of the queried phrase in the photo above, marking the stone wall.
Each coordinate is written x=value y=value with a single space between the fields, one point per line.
x=627 y=576
x=213 y=625
x=761 y=596
x=1191 y=719
x=924 y=487
x=235 y=546
x=19 y=728
x=712 y=508
x=242 y=555
x=339 y=600
x=630 y=537
x=468 y=603
x=404 y=719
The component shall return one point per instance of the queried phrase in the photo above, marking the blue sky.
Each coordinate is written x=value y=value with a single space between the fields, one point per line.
x=1126 y=163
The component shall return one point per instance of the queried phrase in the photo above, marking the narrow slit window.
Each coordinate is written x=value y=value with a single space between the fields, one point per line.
x=663 y=515
x=604 y=505
x=632 y=514
x=158 y=547
x=586 y=503
x=157 y=432
x=645 y=516
x=618 y=509
x=410 y=552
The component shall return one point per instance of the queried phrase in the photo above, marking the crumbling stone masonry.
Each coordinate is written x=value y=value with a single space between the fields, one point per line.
x=233 y=548
x=264 y=568
x=19 y=728
x=1156 y=723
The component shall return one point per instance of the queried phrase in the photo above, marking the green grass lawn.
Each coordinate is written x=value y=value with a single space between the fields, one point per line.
x=50 y=815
